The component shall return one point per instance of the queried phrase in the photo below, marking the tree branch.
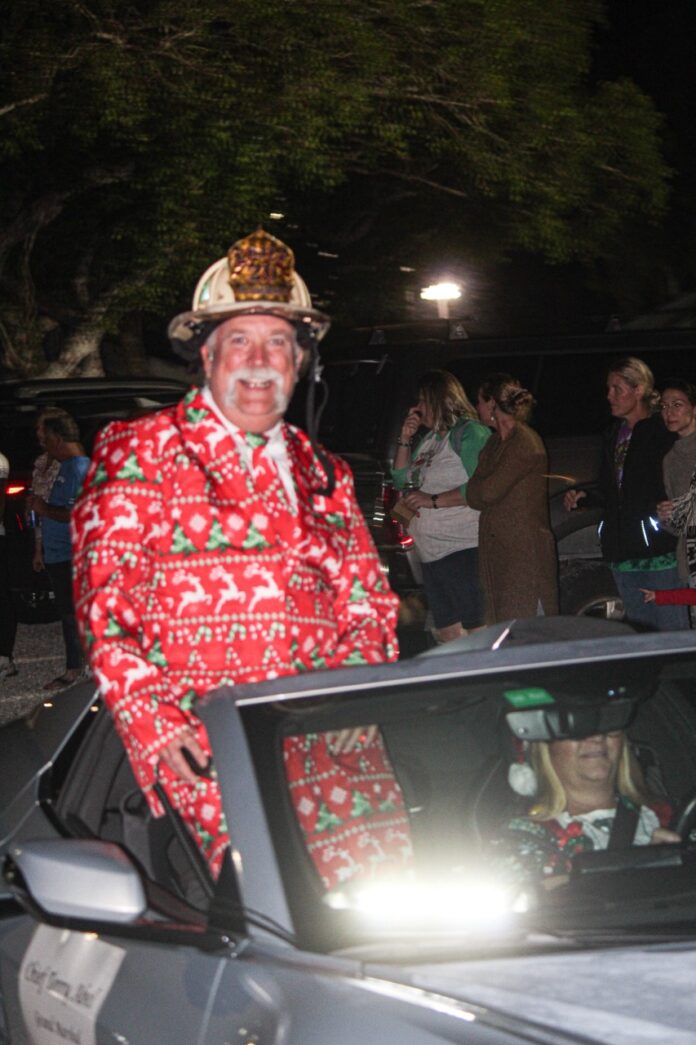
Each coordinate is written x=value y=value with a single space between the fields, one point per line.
x=22 y=102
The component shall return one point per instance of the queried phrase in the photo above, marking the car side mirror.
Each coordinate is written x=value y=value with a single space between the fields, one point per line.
x=75 y=878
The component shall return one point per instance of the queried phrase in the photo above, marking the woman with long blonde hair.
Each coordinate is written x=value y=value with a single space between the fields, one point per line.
x=580 y=789
x=433 y=472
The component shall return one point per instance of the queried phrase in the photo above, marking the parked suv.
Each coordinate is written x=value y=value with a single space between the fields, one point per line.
x=372 y=375
x=92 y=402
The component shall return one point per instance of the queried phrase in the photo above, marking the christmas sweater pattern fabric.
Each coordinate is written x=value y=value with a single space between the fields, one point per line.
x=530 y=848
x=189 y=575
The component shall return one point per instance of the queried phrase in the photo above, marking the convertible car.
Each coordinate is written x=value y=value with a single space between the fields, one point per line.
x=362 y=899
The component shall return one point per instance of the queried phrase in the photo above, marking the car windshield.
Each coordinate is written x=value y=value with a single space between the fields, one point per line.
x=390 y=804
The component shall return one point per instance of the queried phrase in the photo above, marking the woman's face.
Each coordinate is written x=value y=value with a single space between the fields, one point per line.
x=678 y=414
x=485 y=411
x=624 y=400
x=590 y=761
x=426 y=413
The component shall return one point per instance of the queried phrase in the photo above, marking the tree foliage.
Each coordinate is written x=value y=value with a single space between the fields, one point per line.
x=138 y=139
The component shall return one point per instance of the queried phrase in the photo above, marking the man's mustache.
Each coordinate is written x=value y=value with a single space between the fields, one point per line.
x=251 y=374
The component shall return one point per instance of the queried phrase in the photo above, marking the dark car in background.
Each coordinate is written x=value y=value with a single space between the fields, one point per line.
x=93 y=402
x=372 y=376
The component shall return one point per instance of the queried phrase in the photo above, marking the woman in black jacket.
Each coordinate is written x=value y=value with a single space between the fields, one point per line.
x=640 y=553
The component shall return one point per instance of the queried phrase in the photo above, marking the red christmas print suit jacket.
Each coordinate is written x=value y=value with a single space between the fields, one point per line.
x=187 y=578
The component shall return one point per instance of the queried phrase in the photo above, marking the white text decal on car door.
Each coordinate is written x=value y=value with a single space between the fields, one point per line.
x=64 y=980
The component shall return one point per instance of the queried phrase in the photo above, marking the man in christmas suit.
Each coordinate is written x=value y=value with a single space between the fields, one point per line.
x=215 y=543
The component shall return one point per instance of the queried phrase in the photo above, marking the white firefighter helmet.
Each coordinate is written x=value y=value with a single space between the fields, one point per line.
x=257 y=276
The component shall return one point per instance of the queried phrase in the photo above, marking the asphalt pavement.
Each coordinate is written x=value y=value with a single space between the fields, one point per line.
x=40 y=656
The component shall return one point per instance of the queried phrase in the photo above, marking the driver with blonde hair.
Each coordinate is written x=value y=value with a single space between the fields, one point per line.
x=586 y=793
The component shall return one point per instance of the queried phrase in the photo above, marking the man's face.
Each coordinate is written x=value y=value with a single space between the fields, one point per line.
x=48 y=440
x=252 y=370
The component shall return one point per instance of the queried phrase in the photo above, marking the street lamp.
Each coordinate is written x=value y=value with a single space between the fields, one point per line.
x=442 y=294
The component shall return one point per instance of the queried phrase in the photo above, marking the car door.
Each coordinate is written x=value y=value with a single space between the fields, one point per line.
x=83 y=979
x=88 y=987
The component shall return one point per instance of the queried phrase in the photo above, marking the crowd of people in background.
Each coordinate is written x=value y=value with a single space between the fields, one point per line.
x=495 y=493
x=187 y=520
x=473 y=496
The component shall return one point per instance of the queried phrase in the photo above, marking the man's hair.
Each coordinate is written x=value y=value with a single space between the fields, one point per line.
x=445 y=399
x=61 y=423
x=551 y=798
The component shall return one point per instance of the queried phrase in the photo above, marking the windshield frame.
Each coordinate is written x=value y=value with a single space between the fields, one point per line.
x=263 y=714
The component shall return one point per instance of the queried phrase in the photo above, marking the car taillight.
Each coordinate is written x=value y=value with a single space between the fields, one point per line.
x=394 y=532
x=15 y=489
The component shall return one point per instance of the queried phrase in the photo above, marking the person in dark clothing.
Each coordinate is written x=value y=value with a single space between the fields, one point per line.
x=59 y=436
x=640 y=552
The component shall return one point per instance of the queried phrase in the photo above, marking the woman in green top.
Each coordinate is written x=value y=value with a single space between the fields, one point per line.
x=433 y=471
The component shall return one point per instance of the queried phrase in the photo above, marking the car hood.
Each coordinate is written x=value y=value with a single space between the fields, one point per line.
x=625 y=995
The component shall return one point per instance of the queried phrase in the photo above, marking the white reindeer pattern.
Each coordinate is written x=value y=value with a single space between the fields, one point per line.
x=126 y=521
x=230 y=593
x=140 y=668
x=261 y=592
x=91 y=523
x=190 y=597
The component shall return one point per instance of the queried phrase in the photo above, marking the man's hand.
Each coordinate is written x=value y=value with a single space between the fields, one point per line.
x=173 y=757
x=37 y=504
x=571 y=498
x=648 y=594
x=37 y=561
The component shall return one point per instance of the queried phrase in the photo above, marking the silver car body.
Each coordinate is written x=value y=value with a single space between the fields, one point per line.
x=93 y=949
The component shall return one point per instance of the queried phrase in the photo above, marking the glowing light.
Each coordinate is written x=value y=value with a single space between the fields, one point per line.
x=275 y=215
x=469 y=904
x=441 y=292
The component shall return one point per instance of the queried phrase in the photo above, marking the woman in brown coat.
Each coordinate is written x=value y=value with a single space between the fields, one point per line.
x=517 y=552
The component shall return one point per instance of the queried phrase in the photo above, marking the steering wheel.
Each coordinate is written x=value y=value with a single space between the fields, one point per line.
x=684 y=821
